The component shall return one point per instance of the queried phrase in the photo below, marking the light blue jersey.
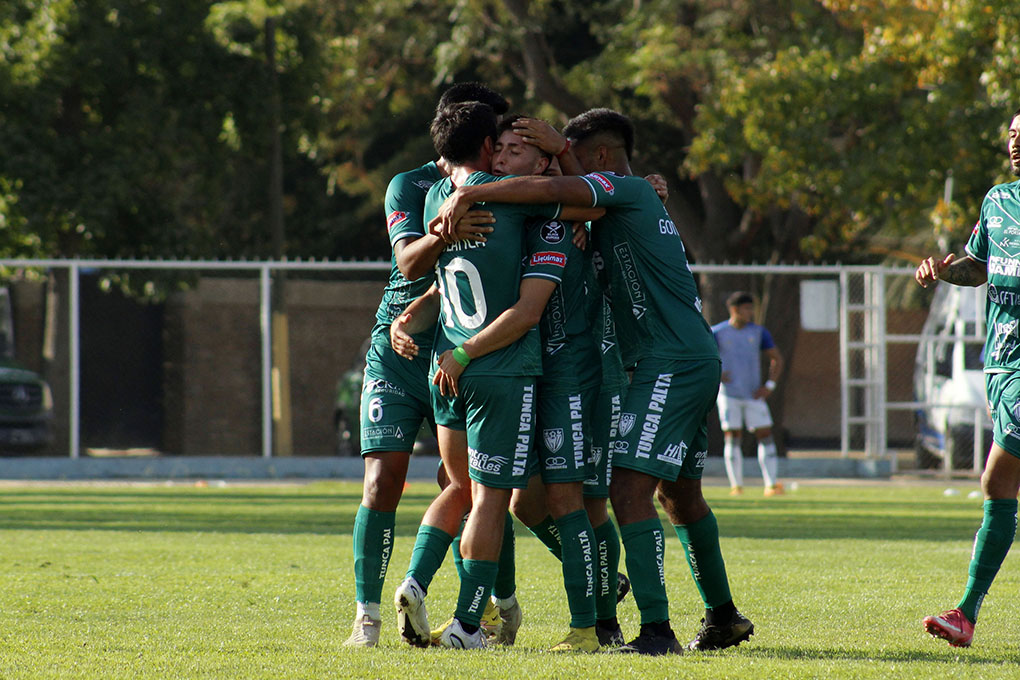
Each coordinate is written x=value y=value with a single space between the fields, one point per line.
x=740 y=350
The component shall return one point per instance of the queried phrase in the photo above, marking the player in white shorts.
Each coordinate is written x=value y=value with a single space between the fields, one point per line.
x=742 y=395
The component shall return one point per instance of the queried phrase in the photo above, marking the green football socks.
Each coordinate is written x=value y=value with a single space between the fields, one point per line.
x=578 y=567
x=427 y=556
x=373 y=545
x=607 y=543
x=506 y=574
x=701 y=546
x=645 y=546
x=506 y=577
x=475 y=587
x=547 y=532
x=991 y=544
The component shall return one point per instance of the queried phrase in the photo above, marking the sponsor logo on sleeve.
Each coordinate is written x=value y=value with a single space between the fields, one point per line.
x=603 y=182
x=546 y=257
x=554 y=231
x=423 y=184
x=395 y=218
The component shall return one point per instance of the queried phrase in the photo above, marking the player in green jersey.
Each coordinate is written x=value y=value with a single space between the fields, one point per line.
x=573 y=335
x=395 y=398
x=565 y=406
x=486 y=416
x=669 y=345
x=993 y=258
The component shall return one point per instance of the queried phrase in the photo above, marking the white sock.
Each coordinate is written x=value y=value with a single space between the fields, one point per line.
x=505 y=603
x=371 y=609
x=734 y=461
x=768 y=460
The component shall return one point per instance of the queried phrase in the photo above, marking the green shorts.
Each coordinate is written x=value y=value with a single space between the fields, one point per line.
x=394 y=400
x=664 y=423
x=1003 y=390
x=498 y=415
x=564 y=436
x=608 y=406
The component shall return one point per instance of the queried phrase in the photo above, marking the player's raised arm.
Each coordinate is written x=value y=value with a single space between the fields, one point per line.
x=544 y=136
x=965 y=271
x=417 y=257
x=565 y=190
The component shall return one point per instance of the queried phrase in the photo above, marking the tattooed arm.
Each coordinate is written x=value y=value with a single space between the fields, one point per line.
x=965 y=271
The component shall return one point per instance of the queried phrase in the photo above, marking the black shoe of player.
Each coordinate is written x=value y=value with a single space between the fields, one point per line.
x=654 y=640
x=609 y=636
x=622 y=587
x=731 y=634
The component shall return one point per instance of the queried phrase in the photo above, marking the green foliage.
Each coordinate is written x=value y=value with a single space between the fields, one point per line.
x=789 y=129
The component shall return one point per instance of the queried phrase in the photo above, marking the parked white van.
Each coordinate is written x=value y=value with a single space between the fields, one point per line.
x=949 y=378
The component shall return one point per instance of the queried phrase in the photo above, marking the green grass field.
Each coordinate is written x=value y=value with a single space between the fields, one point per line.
x=118 y=581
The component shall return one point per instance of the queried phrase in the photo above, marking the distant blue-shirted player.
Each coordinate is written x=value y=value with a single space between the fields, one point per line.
x=742 y=394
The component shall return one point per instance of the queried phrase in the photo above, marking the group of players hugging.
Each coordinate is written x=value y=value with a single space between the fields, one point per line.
x=541 y=312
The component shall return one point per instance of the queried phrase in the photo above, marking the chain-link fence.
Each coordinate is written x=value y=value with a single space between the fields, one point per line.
x=228 y=360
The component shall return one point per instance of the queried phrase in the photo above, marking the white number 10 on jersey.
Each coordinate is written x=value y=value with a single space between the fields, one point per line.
x=452 y=294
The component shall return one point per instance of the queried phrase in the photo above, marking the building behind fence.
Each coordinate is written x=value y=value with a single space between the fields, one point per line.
x=188 y=375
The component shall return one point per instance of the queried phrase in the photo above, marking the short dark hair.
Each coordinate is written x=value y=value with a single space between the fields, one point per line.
x=473 y=92
x=739 y=298
x=602 y=122
x=459 y=131
x=507 y=123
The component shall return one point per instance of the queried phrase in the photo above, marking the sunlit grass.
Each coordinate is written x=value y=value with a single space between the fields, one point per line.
x=256 y=582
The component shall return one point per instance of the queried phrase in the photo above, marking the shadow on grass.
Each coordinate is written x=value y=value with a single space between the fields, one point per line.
x=331 y=511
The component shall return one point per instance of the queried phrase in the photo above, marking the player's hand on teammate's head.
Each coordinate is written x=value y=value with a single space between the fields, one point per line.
x=658 y=183
x=930 y=269
x=474 y=225
x=540 y=134
x=401 y=341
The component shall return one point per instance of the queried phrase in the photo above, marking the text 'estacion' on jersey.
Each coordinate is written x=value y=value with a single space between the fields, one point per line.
x=656 y=305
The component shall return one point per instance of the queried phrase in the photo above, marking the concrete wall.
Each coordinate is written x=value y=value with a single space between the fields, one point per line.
x=213 y=390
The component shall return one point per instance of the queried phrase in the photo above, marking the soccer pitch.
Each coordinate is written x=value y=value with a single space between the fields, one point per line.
x=235 y=581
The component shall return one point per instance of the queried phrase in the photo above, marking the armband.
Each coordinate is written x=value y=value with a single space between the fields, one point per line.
x=461 y=357
x=770 y=385
x=565 y=149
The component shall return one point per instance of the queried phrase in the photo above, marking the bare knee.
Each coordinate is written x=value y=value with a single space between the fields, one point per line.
x=564 y=499
x=631 y=494
x=1001 y=478
x=385 y=475
x=682 y=500
x=598 y=511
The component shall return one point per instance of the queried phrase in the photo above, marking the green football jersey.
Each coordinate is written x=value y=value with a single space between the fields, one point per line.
x=995 y=241
x=479 y=281
x=405 y=206
x=570 y=357
x=655 y=300
x=603 y=328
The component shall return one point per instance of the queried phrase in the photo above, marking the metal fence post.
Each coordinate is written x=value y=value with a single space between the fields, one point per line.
x=265 y=316
x=74 y=426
